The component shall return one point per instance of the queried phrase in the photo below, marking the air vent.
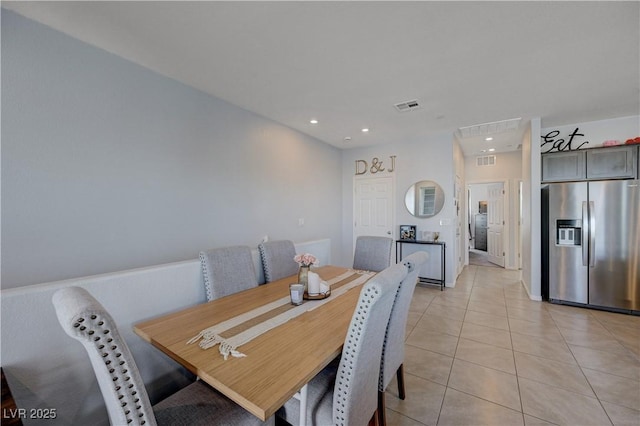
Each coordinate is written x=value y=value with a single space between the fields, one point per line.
x=486 y=160
x=407 y=105
x=492 y=128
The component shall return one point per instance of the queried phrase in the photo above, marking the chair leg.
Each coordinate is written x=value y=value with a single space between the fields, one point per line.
x=382 y=420
x=373 y=421
x=400 y=377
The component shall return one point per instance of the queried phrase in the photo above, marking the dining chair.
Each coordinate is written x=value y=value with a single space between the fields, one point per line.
x=83 y=318
x=227 y=270
x=392 y=359
x=372 y=253
x=344 y=393
x=277 y=259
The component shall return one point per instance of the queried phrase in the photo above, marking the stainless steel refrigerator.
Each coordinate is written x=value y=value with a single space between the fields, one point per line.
x=593 y=243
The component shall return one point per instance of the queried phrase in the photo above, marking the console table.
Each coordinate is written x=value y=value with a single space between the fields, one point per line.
x=443 y=248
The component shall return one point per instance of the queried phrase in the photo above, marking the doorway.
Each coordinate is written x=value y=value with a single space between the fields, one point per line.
x=487 y=224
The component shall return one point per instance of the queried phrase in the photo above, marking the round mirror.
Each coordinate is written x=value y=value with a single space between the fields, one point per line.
x=424 y=198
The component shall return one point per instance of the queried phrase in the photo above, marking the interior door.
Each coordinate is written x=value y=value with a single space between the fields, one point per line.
x=373 y=207
x=495 y=224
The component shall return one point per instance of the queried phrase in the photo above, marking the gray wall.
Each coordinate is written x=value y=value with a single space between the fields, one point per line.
x=108 y=166
x=424 y=160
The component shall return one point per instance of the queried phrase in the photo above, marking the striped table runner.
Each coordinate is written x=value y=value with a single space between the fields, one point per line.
x=237 y=331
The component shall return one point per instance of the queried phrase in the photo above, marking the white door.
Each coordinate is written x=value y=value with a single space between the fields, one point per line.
x=373 y=207
x=495 y=224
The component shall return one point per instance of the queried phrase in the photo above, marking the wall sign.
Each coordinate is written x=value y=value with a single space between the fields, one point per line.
x=376 y=166
x=555 y=144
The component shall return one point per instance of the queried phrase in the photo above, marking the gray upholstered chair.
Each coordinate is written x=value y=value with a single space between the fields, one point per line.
x=372 y=253
x=277 y=259
x=345 y=393
x=393 y=347
x=83 y=318
x=227 y=270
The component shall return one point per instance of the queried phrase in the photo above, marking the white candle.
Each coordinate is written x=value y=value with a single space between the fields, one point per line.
x=297 y=291
x=313 y=285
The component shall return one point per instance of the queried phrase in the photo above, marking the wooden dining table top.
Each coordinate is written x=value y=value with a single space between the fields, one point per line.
x=277 y=363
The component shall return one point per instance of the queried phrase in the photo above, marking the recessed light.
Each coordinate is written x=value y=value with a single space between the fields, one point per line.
x=347 y=139
x=313 y=121
x=491 y=149
x=365 y=130
x=488 y=139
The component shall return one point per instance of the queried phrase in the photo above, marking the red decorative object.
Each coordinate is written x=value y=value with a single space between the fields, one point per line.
x=633 y=141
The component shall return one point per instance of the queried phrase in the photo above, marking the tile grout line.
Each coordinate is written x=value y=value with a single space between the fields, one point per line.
x=454 y=352
x=581 y=370
x=515 y=366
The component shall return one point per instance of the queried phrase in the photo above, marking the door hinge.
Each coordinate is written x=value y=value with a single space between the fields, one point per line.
x=502 y=254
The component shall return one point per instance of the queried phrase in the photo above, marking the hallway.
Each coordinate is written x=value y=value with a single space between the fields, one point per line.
x=483 y=353
x=479 y=258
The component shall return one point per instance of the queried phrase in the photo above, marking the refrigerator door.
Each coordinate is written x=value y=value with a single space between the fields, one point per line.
x=614 y=279
x=568 y=255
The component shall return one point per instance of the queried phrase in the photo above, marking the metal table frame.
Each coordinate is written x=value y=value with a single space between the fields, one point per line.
x=443 y=265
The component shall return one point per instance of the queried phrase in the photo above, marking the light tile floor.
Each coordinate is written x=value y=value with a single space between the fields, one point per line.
x=483 y=353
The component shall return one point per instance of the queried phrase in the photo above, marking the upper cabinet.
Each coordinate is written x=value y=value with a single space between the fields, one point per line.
x=563 y=166
x=619 y=162
x=612 y=163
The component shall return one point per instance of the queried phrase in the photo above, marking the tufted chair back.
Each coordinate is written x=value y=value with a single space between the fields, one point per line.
x=393 y=347
x=372 y=253
x=277 y=259
x=227 y=270
x=84 y=319
x=355 y=393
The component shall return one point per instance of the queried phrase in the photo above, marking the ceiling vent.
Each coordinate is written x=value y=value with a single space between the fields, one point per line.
x=486 y=160
x=492 y=128
x=408 y=105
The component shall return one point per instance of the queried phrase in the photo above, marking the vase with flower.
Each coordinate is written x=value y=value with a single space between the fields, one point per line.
x=305 y=261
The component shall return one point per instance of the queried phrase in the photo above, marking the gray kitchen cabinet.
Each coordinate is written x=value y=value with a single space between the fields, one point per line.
x=618 y=162
x=564 y=166
x=612 y=163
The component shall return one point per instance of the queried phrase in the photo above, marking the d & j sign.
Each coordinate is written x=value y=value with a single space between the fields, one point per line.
x=376 y=166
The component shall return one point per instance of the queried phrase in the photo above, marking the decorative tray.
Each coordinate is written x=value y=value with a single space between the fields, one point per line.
x=318 y=296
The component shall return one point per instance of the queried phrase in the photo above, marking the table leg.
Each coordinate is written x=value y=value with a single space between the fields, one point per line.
x=303 y=405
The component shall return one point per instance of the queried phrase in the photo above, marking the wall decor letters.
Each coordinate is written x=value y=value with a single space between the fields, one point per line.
x=377 y=166
x=561 y=144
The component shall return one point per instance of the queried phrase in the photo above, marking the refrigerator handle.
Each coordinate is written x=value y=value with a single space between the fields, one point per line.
x=585 y=234
x=592 y=234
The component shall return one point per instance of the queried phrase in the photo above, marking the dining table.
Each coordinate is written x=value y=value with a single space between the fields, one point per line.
x=280 y=358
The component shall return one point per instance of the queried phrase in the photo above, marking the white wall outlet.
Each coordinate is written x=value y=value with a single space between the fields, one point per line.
x=301 y=222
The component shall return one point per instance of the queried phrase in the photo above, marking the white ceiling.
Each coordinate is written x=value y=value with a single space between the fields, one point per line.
x=347 y=63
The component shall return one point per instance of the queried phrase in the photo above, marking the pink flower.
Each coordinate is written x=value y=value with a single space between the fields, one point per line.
x=306 y=259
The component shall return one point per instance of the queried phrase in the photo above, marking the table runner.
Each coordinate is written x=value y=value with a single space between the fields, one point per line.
x=211 y=336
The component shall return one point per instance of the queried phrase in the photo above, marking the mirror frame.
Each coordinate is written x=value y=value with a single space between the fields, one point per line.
x=415 y=197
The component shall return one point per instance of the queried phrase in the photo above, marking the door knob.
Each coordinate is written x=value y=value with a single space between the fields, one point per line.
x=388 y=232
